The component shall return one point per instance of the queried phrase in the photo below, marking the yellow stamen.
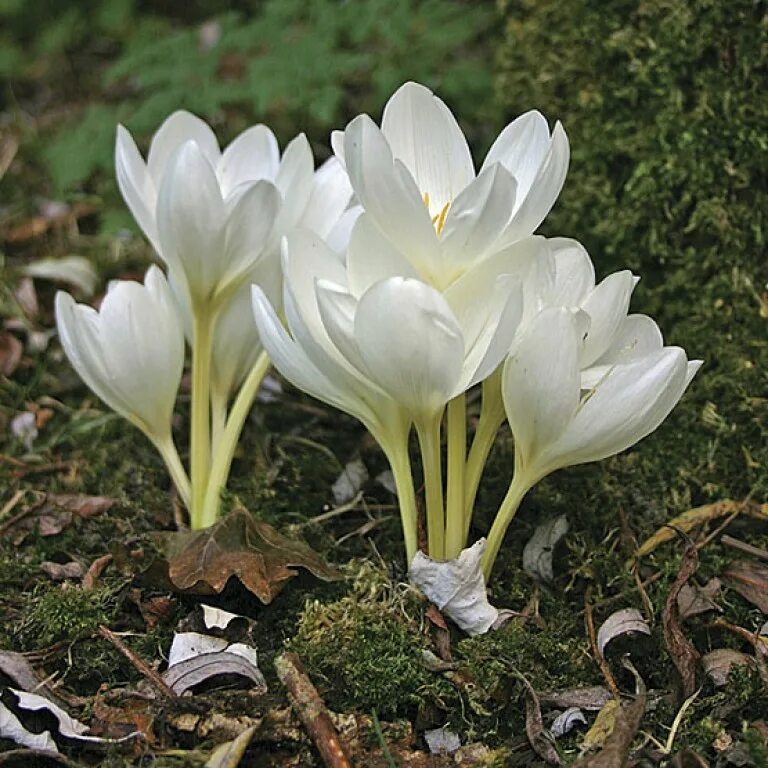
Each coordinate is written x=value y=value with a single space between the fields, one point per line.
x=426 y=199
x=439 y=220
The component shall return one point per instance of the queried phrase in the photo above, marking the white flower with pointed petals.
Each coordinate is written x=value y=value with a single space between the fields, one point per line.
x=558 y=424
x=415 y=178
x=211 y=215
x=130 y=352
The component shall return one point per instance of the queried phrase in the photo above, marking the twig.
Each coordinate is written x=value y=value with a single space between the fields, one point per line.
x=310 y=708
x=720 y=528
x=9 y=505
x=610 y=681
x=8 y=524
x=331 y=513
x=742 y=546
x=94 y=572
x=152 y=677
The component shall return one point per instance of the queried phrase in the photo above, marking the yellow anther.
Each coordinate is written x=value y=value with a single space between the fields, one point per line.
x=440 y=223
x=426 y=199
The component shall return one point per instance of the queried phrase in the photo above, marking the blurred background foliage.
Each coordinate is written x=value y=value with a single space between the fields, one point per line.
x=72 y=70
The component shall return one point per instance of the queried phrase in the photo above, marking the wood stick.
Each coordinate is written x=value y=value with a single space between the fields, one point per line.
x=150 y=674
x=310 y=708
x=742 y=546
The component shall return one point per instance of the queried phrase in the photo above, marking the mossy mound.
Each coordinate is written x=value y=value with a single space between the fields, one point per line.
x=661 y=101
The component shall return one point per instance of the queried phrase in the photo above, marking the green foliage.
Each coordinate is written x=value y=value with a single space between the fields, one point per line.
x=296 y=65
x=662 y=103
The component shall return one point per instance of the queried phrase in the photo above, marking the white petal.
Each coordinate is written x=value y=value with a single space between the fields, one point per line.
x=574 y=272
x=607 y=307
x=478 y=216
x=389 y=195
x=136 y=185
x=253 y=155
x=331 y=194
x=521 y=147
x=424 y=135
x=495 y=340
x=190 y=220
x=628 y=404
x=337 y=145
x=294 y=180
x=533 y=208
x=178 y=129
x=249 y=228
x=338 y=238
x=540 y=384
x=411 y=343
x=371 y=257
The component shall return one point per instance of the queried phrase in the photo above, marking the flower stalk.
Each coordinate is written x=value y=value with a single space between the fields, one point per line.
x=456 y=436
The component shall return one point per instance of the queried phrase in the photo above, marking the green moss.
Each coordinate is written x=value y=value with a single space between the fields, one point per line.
x=64 y=614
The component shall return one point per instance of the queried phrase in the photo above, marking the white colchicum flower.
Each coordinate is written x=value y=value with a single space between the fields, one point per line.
x=557 y=422
x=210 y=215
x=416 y=181
x=131 y=354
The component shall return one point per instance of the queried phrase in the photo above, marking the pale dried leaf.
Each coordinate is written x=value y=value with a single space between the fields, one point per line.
x=441 y=741
x=347 y=485
x=76 y=271
x=229 y=754
x=62 y=571
x=567 y=721
x=217 y=618
x=24 y=428
x=457 y=588
x=694 y=600
x=10 y=353
x=592 y=698
x=623 y=622
x=718 y=664
x=537 y=555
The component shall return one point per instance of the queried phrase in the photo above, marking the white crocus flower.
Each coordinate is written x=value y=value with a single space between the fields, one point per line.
x=556 y=423
x=131 y=354
x=211 y=214
x=416 y=180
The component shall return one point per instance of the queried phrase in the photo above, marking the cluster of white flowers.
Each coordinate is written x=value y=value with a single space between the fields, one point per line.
x=387 y=284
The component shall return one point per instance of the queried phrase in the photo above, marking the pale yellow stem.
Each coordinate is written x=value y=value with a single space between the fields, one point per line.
x=455 y=537
x=428 y=431
x=200 y=433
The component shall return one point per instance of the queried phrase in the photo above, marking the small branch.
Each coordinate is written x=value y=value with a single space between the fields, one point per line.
x=310 y=708
x=610 y=681
x=94 y=571
x=150 y=674
x=742 y=546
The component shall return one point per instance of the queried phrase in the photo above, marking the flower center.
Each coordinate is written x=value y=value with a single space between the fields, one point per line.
x=438 y=220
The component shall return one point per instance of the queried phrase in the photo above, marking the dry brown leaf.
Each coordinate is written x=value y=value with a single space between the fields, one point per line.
x=694 y=600
x=62 y=571
x=719 y=663
x=240 y=547
x=57 y=216
x=750 y=579
x=684 y=655
x=534 y=727
x=10 y=353
x=591 y=698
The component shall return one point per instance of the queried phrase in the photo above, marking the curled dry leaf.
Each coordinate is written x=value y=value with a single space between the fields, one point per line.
x=352 y=478
x=750 y=579
x=718 y=664
x=623 y=622
x=195 y=658
x=62 y=571
x=537 y=555
x=240 y=547
x=591 y=698
x=534 y=727
x=10 y=353
x=56 y=511
x=694 y=600
x=684 y=655
x=229 y=754
x=218 y=618
x=442 y=741
x=567 y=721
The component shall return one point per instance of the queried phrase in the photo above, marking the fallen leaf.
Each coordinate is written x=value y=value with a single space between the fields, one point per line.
x=694 y=600
x=603 y=726
x=441 y=741
x=10 y=353
x=62 y=571
x=218 y=618
x=750 y=579
x=76 y=271
x=239 y=546
x=352 y=478
x=567 y=721
x=615 y=751
x=687 y=758
x=56 y=511
x=195 y=658
x=684 y=655
x=14 y=703
x=693 y=518
x=131 y=716
x=534 y=726
x=592 y=698
x=17 y=669
x=538 y=552
x=718 y=664
x=623 y=622
x=26 y=297
x=229 y=754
